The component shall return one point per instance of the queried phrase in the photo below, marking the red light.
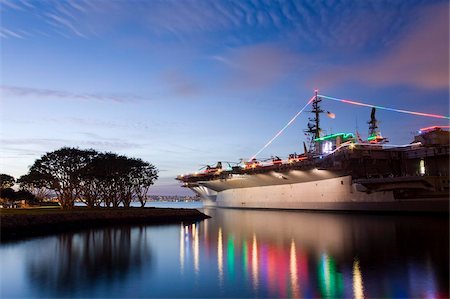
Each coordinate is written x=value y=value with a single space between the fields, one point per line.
x=434 y=127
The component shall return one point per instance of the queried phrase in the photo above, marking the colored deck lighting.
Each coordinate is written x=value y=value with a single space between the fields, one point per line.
x=385 y=108
x=374 y=138
x=343 y=135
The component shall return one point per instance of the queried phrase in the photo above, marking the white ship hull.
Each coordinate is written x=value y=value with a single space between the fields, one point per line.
x=328 y=193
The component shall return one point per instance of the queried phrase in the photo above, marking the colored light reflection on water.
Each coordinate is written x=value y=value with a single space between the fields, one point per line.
x=182 y=253
x=236 y=254
x=230 y=256
x=358 y=288
x=330 y=280
x=255 y=263
x=245 y=259
x=293 y=272
x=220 y=256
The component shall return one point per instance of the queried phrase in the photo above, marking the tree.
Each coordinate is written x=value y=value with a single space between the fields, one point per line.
x=116 y=180
x=8 y=193
x=96 y=181
x=101 y=180
x=6 y=181
x=27 y=196
x=7 y=196
x=143 y=176
x=127 y=167
x=60 y=171
x=35 y=184
x=92 y=177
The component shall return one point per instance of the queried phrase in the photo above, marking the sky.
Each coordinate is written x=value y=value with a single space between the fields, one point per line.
x=186 y=83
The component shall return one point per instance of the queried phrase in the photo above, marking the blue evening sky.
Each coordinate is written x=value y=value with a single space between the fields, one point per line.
x=182 y=84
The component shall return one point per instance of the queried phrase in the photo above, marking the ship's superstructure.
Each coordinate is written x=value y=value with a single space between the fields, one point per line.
x=338 y=172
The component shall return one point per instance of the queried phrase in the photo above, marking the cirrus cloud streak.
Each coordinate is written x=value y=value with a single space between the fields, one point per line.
x=20 y=91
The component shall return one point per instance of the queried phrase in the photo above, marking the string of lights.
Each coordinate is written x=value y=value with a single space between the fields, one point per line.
x=385 y=108
x=347 y=102
x=281 y=131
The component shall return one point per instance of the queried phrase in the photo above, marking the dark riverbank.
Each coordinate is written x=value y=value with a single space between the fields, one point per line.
x=18 y=223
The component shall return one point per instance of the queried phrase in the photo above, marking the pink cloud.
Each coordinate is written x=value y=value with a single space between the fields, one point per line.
x=180 y=84
x=420 y=58
x=258 y=66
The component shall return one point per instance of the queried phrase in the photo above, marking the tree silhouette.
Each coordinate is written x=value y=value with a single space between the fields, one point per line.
x=117 y=180
x=34 y=183
x=91 y=177
x=8 y=193
x=60 y=171
x=142 y=177
x=6 y=181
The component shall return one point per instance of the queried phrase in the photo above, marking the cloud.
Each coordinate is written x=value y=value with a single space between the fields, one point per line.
x=87 y=18
x=50 y=143
x=110 y=124
x=258 y=66
x=11 y=4
x=338 y=26
x=65 y=23
x=19 y=91
x=5 y=33
x=79 y=18
x=180 y=83
x=193 y=16
x=16 y=151
x=420 y=58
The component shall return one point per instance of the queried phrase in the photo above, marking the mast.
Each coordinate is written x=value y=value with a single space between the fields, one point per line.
x=314 y=125
x=373 y=124
x=374 y=131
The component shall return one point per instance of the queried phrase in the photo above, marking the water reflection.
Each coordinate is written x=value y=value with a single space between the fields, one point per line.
x=331 y=281
x=358 y=288
x=293 y=271
x=239 y=253
x=292 y=254
x=88 y=259
x=182 y=253
x=255 y=263
x=220 y=256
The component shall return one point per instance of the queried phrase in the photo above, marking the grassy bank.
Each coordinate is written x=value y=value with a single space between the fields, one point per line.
x=17 y=223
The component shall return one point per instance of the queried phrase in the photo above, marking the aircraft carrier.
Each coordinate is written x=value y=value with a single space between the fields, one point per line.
x=338 y=172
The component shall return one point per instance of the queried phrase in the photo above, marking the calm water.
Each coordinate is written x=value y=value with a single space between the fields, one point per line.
x=238 y=253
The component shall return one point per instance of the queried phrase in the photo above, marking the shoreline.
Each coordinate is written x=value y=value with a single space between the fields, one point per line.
x=22 y=223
